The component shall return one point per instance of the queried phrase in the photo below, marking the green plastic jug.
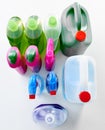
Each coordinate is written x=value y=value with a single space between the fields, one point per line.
x=76 y=33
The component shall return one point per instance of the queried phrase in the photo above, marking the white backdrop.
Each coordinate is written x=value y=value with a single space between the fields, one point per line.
x=15 y=107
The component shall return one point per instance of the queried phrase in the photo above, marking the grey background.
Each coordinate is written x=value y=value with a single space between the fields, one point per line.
x=15 y=107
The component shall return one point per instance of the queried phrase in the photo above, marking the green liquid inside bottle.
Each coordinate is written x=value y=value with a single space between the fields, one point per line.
x=15 y=34
x=52 y=30
x=34 y=33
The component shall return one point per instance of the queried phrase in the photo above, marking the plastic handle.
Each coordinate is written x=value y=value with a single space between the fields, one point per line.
x=77 y=13
x=84 y=72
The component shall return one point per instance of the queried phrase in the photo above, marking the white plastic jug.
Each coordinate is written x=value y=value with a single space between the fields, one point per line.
x=79 y=79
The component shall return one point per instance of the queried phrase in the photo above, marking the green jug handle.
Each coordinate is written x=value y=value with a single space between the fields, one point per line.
x=77 y=15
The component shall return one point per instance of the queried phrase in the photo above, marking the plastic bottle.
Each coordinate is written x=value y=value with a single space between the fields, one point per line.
x=52 y=29
x=15 y=34
x=50 y=115
x=79 y=79
x=76 y=33
x=34 y=33
x=35 y=86
x=52 y=83
x=50 y=56
x=15 y=60
x=33 y=59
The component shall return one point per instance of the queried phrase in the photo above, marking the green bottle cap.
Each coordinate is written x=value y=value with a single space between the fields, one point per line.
x=12 y=25
x=32 y=24
x=33 y=28
x=15 y=28
x=12 y=56
x=52 y=21
x=30 y=55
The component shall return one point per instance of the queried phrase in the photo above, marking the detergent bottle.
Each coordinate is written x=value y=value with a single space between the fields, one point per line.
x=76 y=33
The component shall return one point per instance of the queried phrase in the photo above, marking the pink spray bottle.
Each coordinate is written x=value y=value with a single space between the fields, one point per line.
x=50 y=57
x=33 y=59
x=15 y=60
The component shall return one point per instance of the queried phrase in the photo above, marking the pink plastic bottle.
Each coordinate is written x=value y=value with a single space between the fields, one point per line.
x=50 y=57
x=33 y=59
x=15 y=60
